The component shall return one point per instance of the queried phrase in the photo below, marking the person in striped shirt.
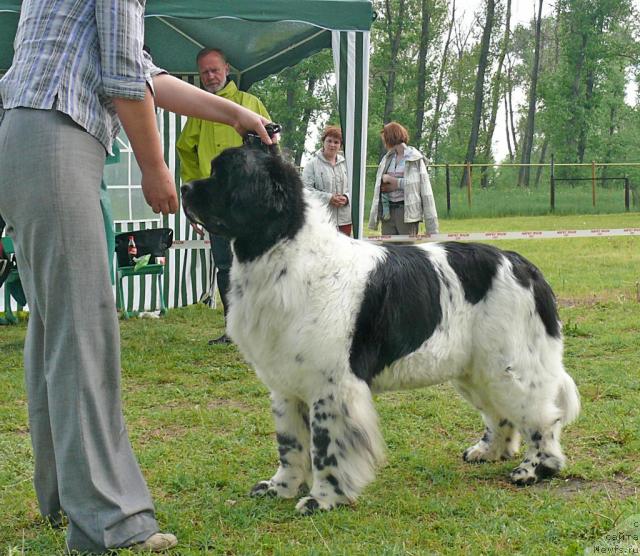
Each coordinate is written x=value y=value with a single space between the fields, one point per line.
x=79 y=71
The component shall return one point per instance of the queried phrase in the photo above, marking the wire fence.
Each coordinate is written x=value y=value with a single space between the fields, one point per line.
x=489 y=190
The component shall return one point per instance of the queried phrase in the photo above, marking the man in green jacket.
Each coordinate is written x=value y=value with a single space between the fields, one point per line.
x=201 y=141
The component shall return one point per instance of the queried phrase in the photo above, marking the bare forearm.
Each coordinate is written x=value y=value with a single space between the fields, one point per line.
x=180 y=97
x=139 y=123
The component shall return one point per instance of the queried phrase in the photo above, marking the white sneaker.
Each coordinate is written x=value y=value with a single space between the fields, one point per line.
x=158 y=542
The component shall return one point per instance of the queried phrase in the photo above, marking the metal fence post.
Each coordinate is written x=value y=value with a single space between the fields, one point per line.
x=448 y=181
x=593 y=183
x=626 y=193
x=552 y=185
x=469 y=183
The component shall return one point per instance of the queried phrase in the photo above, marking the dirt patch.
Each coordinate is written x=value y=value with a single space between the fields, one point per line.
x=568 y=487
x=602 y=298
x=236 y=404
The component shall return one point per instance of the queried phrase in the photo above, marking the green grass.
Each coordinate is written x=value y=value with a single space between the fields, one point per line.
x=201 y=426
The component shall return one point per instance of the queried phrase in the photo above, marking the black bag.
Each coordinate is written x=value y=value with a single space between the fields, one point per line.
x=154 y=242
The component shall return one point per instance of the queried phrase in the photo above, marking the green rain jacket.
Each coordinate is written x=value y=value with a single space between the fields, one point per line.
x=202 y=140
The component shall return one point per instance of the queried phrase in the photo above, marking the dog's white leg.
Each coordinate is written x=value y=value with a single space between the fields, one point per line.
x=292 y=433
x=501 y=440
x=346 y=445
x=544 y=457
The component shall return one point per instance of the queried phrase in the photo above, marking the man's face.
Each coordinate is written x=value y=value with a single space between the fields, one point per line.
x=213 y=72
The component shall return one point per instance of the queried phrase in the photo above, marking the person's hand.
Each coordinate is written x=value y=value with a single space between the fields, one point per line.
x=389 y=183
x=159 y=189
x=250 y=121
x=338 y=200
x=197 y=229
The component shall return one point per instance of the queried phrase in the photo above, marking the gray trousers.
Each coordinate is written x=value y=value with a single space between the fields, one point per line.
x=396 y=226
x=50 y=172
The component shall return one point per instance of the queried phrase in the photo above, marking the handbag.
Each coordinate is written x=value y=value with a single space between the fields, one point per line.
x=153 y=242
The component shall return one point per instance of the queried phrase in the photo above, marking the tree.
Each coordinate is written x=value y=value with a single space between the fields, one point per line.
x=299 y=97
x=435 y=120
x=422 y=69
x=479 y=87
x=496 y=89
x=527 y=140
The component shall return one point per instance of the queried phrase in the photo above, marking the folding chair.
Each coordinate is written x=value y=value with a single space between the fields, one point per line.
x=11 y=284
x=153 y=242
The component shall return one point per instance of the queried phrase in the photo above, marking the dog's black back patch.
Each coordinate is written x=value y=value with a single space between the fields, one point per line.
x=528 y=276
x=400 y=311
x=475 y=265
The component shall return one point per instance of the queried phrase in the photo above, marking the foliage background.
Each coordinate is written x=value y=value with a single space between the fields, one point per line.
x=424 y=66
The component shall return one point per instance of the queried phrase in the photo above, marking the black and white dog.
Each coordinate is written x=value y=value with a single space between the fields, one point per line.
x=327 y=320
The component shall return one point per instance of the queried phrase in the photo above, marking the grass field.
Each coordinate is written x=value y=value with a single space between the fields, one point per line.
x=201 y=426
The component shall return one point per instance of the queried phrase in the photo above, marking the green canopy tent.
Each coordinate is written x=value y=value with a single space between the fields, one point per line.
x=260 y=39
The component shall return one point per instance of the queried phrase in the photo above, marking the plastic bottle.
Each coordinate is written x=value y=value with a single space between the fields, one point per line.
x=132 y=250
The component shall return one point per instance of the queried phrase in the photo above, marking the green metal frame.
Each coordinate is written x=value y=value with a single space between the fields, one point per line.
x=14 y=277
x=129 y=271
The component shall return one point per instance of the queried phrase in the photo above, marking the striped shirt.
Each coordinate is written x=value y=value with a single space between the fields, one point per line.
x=73 y=55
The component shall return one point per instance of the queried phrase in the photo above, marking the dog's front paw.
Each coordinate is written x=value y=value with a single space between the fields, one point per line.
x=523 y=475
x=280 y=489
x=310 y=504
x=263 y=488
x=532 y=471
x=478 y=453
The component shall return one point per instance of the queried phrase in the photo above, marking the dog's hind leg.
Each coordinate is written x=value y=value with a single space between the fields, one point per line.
x=292 y=433
x=542 y=421
x=544 y=457
x=346 y=445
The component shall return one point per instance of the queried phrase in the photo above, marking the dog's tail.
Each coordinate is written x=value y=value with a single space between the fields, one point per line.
x=568 y=399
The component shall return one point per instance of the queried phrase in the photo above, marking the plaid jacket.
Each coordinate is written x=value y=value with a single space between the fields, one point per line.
x=73 y=55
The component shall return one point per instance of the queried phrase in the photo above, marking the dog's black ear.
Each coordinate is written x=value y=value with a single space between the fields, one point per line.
x=284 y=181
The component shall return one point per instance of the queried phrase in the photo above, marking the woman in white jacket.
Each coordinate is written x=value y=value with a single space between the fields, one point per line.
x=326 y=175
x=402 y=195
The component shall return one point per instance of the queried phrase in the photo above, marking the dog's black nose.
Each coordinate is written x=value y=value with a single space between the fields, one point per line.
x=185 y=188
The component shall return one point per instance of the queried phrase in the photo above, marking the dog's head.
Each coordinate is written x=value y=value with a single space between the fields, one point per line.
x=252 y=196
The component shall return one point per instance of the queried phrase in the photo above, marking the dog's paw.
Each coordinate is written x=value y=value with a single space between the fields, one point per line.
x=530 y=472
x=263 y=488
x=310 y=504
x=475 y=454
x=480 y=453
x=278 y=489
x=523 y=475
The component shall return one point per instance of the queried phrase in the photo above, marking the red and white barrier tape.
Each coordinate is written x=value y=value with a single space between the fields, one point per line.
x=462 y=236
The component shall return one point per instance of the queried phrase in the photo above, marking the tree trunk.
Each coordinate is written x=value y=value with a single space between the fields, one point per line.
x=514 y=135
x=527 y=141
x=575 y=92
x=393 y=36
x=543 y=154
x=479 y=88
x=422 y=70
x=495 y=94
x=435 y=122
x=289 y=121
x=306 y=116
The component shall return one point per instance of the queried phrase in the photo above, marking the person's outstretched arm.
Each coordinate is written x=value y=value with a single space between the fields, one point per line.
x=180 y=97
